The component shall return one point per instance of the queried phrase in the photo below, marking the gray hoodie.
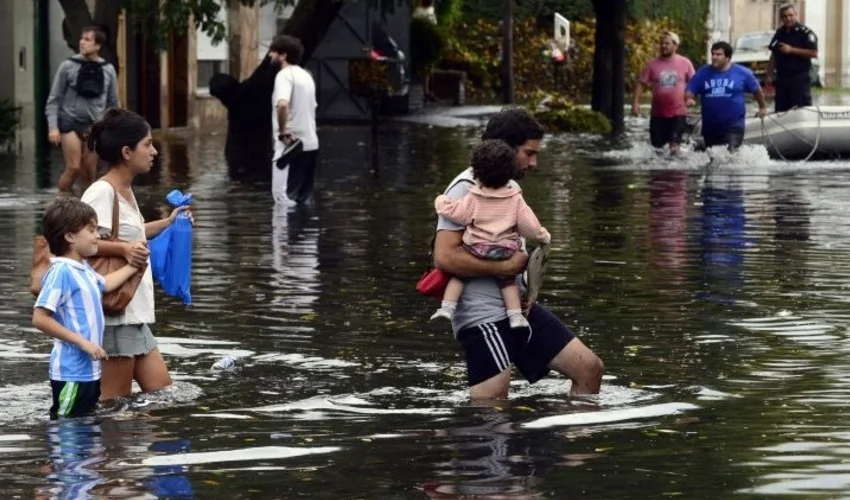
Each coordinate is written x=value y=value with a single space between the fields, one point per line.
x=64 y=102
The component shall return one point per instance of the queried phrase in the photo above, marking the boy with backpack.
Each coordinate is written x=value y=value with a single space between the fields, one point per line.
x=84 y=87
x=69 y=306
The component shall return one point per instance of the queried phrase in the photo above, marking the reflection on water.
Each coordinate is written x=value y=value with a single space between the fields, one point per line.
x=714 y=290
x=85 y=455
x=295 y=259
x=722 y=239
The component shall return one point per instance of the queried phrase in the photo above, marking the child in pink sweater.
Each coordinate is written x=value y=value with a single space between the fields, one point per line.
x=495 y=216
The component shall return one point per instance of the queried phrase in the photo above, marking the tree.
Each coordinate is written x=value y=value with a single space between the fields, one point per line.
x=160 y=18
x=609 y=62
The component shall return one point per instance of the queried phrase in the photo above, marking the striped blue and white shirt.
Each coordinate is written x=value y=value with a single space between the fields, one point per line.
x=72 y=291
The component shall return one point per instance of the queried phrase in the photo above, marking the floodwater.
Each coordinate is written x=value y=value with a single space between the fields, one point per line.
x=715 y=292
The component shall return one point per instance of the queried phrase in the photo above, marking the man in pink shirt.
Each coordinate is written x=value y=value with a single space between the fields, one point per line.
x=667 y=74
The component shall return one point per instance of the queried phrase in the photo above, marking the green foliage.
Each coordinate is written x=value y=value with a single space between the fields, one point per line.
x=688 y=16
x=475 y=48
x=540 y=10
x=427 y=43
x=159 y=19
x=560 y=115
x=10 y=118
x=449 y=13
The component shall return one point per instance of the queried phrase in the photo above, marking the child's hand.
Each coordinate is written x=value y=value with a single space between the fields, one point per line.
x=95 y=351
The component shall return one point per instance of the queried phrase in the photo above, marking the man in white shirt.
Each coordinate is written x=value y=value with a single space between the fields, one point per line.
x=294 y=106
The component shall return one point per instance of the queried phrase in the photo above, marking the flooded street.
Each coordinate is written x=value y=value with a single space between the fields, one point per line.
x=716 y=294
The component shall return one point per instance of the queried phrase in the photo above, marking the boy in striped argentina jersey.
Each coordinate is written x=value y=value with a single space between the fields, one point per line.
x=69 y=306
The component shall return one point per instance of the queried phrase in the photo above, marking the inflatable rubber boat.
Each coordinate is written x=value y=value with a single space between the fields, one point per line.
x=801 y=133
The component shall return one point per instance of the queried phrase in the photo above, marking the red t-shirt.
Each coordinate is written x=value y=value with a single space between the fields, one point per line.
x=668 y=77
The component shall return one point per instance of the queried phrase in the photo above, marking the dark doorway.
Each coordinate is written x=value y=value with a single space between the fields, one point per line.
x=178 y=81
x=147 y=71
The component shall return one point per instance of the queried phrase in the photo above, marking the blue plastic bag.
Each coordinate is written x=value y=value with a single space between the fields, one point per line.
x=171 y=252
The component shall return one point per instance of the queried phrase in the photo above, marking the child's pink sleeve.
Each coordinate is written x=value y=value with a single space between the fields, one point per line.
x=528 y=225
x=459 y=212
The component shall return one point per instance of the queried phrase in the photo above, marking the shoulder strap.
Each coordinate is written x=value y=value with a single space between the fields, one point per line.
x=84 y=61
x=114 y=235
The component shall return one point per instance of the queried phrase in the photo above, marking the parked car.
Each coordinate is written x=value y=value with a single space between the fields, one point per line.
x=751 y=50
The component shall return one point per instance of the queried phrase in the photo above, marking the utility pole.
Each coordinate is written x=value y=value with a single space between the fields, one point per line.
x=508 y=51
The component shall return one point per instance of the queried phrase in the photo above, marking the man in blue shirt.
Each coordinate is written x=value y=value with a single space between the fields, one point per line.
x=721 y=87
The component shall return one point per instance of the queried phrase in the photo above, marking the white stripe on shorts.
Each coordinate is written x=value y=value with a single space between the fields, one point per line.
x=494 y=343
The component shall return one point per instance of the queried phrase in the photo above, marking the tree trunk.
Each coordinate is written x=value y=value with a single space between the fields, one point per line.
x=310 y=22
x=249 y=108
x=508 y=51
x=609 y=62
x=78 y=16
x=243 y=29
x=618 y=66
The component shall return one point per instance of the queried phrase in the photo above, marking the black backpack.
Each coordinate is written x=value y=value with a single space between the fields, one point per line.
x=91 y=80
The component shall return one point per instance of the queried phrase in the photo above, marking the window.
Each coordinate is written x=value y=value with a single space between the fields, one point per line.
x=212 y=58
x=206 y=69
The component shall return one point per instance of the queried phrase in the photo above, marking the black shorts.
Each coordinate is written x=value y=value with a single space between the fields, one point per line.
x=663 y=131
x=793 y=91
x=491 y=348
x=733 y=138
x=74 y=399
x=67 y=125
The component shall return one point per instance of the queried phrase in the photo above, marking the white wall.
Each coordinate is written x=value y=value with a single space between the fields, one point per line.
x=845 y=43
x=212 y=57
x=268 y=26
x=59 y=50
x=719 y=25
x=816 y=20
x=17 y=45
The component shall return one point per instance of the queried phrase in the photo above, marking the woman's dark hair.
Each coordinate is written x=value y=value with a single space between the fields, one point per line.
x=515 y=126
x=289 y=45
x=65 y=215
x=118 y=128
x=724 y=46
x=493 y=163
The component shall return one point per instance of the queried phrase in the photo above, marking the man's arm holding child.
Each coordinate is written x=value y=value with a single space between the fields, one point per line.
x=450 y=256
x=42 y=319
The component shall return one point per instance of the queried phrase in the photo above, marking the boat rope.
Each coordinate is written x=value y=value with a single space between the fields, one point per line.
x=769 y=137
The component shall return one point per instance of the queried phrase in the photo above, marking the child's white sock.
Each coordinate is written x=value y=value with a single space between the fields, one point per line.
x=446 y=310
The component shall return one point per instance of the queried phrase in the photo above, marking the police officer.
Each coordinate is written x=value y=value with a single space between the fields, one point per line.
x=793 y=47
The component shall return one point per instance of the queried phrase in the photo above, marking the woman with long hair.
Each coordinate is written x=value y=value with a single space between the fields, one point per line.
x=122 y=140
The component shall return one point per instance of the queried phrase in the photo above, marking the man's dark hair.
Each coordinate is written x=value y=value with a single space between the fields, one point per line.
x=98 y=33
x=724 y=46
x=289 y=45
x=786 y=7
x=515 y=126
x=493 y=163
x=65 y=215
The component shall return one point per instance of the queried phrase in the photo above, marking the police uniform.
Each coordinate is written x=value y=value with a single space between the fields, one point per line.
x=793 y=80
